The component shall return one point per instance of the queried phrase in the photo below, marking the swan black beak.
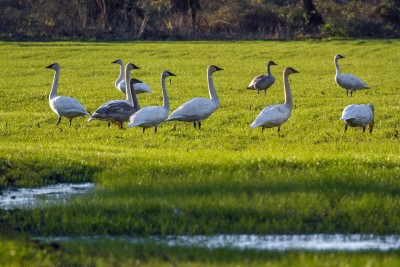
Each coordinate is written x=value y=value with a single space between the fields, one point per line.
x=218 y=68
x=171 y=74
x=50 y=66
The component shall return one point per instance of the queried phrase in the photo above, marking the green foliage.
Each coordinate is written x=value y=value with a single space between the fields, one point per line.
x=224 y=178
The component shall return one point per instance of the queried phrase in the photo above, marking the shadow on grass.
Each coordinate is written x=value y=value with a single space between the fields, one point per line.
x=39 y=173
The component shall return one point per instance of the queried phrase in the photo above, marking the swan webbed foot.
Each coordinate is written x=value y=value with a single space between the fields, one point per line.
x=59 y=120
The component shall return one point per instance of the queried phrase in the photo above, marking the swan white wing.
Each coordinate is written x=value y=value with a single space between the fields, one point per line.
x=195 y=109
x=138 y=87
x=67 y=106
x=272 y=116
x=357 y=115
x=351 y=82
x=148 y=116
x=262 y=82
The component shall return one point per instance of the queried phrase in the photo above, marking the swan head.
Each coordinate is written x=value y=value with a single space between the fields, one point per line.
x=214 y=68
x=167 y=73
x=338 y=57
x=118 y=61
x=131 y=66
x=54 y=66
x=271 y=63
x=290 y=70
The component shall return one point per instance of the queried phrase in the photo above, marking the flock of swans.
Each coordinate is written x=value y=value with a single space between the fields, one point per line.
x=198 y=109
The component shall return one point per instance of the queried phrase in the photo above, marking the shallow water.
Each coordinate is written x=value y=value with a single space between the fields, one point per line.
x=29 y=197
x=312 y=242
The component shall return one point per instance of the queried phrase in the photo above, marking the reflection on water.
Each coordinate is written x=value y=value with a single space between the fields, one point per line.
x=311 y=242
x=28 y=197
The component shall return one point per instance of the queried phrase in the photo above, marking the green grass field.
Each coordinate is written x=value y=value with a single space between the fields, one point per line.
x=224 y=178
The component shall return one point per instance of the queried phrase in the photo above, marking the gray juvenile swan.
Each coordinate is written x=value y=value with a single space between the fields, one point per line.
x=119 y=111
x=276 y=115
x=348 y=81
x=263 y=82
x=199 y=108
x=153 y=115
x=61 y=105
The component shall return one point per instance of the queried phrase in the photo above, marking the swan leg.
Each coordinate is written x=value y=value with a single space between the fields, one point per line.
x=351 y=93
x=258 y=92
x=120 y=126
x=108 y=124
x=144 y=129
x=345 y=127
x=59 y=120
x=363 y=129
x=155 y=129
x=174 y=127
x=265 y=91
x=347 y=92
x=70 y=121
x=370 y=128
x=194 y=124
x=262 y=129
x=199 y=122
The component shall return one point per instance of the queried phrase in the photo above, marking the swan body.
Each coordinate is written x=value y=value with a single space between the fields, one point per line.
x=119 y=111
x=199 y=108
x=153 y=115
x=276 y=115
x=61 y=105
x=359 y=116
x=348 y=81
x=138 y=86
x=263 y=82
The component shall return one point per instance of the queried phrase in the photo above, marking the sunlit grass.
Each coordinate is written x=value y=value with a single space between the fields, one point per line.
x=225 y=178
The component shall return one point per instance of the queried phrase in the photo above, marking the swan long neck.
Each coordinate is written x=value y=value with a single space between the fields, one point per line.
x=164 y=93
x=288 y=92
x=121 y=73
x=54 y=87
x=130 y=92
x=211 y=89
x=269 y=69
x=338 y=72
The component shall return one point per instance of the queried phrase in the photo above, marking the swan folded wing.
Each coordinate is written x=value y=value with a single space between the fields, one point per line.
x=273 y=115
x=352 y=82
x=68 y=106
x=148 y=116
x=194 y=109
x=360 y=113
x=253 y=84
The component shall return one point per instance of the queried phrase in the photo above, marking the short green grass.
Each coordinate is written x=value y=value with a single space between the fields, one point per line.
x=224 y=178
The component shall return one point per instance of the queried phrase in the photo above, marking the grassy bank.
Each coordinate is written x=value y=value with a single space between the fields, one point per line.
x=224 y=178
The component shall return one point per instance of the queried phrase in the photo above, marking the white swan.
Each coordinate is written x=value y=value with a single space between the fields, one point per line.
x=359 y=116
x=153 y=115
x=64 y=106
x=138 y=86
x=119 y=111
x=276 y=115
x=263 y=82
x=348 y=81
x=199 y=108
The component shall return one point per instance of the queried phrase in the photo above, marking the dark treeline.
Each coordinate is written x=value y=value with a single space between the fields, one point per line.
x=197 y=19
